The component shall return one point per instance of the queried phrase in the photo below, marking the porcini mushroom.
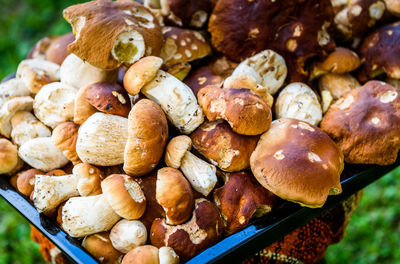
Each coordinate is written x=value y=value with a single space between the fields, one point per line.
x=127 y=235
x=100 y=246
x=57 y=50
x=9 y=109
x=202 y=77
x=8 y=156
x=26 y=126
x=298 y=162
x=12 y=88
x=64 y=137
x=149 y=254
x=26 y=181
x=88 y=178
x=200 y=174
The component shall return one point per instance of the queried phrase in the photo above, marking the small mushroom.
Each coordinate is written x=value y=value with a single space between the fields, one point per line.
x=149 y=254
x=363 y=14
x=36 y=73
x=54 y=104
x=100 y=246
x=109 y=98
x=224 y=148
x=8 y=156
x=9 y=109
x=12 y=88
x=64 y=137
x=245 y=111
x=26 y=126
x=147 y=136
x=127 y=235
x=365 y=123
x=26 y=181
x=299 y=101
x=298 y=162
x=263 y=73
x=102 y=139
x=241 y=199
x=89 y=179
x=203 y=230
x=111 y=33
x=174 y=194
x=200 y=174
x=41 y=154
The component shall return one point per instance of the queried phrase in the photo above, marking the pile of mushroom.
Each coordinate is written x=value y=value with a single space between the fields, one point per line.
x=189 y=143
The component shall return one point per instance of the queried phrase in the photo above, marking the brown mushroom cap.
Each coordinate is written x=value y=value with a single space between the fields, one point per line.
x=56 y=172
x=109 y=98
x=176 y=150
x=337 y=84
x=57 y=50
x=82 y=108
x=240 y=199
x=203 y=230
x=110 y=33
x=175 y=195
x=363 y=14
x=124 y=195
x=222 y=146
x=8 y=156
x=147 y=254
x=380 y=53
x=26 y=181
x=365 y=123
x=64 y=137
x=183 y=45
x=89 y=179
x=245 y=111
x=100 y=246
x=297 y=30
x=201 y=78
x=340 y=61
x=147 y=136
x=298 y=162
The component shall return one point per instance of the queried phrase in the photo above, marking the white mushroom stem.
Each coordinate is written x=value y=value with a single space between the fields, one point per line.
x=201 y=175
x=177 y=100
x=83 y=216
x=51 y=191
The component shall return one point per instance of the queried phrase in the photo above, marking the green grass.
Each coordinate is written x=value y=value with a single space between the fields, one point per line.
x=373 y=235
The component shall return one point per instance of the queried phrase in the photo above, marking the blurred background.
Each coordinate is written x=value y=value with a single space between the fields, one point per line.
x=373 y=235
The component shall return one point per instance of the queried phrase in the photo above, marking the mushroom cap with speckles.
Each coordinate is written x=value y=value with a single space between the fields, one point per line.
x=240 y=199
x=203 y=230
x=111 y=33
x=365 y=123
x=222 y=146
x=380 y=53
x=183 y=45
x=363 y=14
x=298 y=162
x=245 y=111
x=296 y=29
x=203 y=77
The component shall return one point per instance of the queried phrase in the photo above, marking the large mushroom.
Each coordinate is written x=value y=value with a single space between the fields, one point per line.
x=9 y=109
x=298 y=162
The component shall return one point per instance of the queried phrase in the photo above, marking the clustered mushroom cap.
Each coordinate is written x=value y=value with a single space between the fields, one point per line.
x=39 y=50
x=174 y=194
x=147 y=136
x=111 y=33
x=380 y=53
x=222 y=146
x=26 y=126
x=176 y=150
x=245 y=111
x=365 y=123
x=240 y=199
x=8 y=156
x=82 y=108
x=183 y=45
x=26 y=181
x=109 y=98
x=203 y=77
x=203 y=230
x=12 y=88
x=64 y=137
x=298 y=162
x=100 y=246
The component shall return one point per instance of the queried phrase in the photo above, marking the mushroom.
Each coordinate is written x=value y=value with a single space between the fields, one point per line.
x=38 y=51
x=147 y=136
x=298 y=162
x=127 y=235
x=299 y=101
x=109 y=98
x=365 y=123
x=79 y=74
x=100 y=246
x=122 y=197
x=200 y=174
x=9 y=109
x=149 y=254
x=26 y=181
x=393 y=6
x=203 y=230
x=64 y=137
x=57 y=50
x=8 y=156
x=89 y=179
x=332 y=86
x=102 y=139
x=54 y=104
x=183 y=45
x=222 y=147
x=41 y=154
x=26 y=126
x=12 y=88
x=379 y=53
x=263 y=73
x=174 y=194
x=241 y=199
x=245 y=111
x=203 y=77
x=109 y=34
x=36 y=73
x=297 y=30
x=82 y=108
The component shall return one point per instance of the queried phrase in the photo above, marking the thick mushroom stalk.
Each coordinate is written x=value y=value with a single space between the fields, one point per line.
x=200 y=174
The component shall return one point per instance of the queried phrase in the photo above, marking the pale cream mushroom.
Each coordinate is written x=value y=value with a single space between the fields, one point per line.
x=127 y=235
x=9 y=109
x=25 y=126
x=12 y=88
